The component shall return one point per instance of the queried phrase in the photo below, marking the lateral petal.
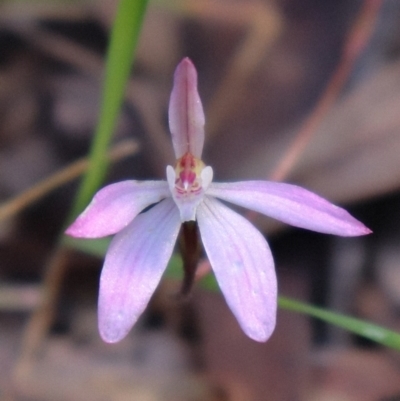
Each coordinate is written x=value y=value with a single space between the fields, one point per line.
x=291 y=204
x=134 y=264
x=186 y=116
x=115 y=206
x=242 y=262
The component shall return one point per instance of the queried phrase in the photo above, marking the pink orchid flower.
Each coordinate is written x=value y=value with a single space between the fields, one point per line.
x=238 y=253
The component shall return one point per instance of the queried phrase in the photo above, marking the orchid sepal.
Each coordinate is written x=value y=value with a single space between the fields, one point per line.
x=290 y=204
x=134 y=264
x=186 y=115
x=243 y=265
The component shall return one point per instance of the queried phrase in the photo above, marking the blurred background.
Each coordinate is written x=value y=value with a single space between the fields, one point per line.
x=303 y=91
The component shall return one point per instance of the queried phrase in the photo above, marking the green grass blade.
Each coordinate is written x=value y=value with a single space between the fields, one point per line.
x=123 y=42
x=363 y=328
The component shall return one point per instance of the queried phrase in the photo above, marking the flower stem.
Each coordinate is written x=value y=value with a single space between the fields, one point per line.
x=190 y=249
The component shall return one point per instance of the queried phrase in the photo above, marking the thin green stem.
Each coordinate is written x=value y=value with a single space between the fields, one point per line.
x=363 y=328
x=123 y=43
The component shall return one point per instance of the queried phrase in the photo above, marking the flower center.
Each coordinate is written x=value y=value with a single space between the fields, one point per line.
x=187 y=174
x=188 y=182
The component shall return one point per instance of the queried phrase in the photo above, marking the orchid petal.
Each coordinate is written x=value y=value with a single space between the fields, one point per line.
x=115 y=206
x=243 y=265
x=291 y=204
x=186 y=116
x=135 y=262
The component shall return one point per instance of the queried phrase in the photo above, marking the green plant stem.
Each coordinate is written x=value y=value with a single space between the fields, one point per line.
x=121 y=50
x=363 y=328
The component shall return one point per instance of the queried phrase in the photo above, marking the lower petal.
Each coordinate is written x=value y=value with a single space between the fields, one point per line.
x=134 y=264
x=242 y=262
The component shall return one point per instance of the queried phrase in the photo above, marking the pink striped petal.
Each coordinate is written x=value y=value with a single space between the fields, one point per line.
x=186 y=116
x=134 y=264
x=291 y=204
x=115 y=206
x=243 y=265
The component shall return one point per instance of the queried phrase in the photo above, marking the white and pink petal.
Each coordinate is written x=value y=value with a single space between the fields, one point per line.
x=134 y=264
x=243 y=265
x=115 y=206
x=291 y=204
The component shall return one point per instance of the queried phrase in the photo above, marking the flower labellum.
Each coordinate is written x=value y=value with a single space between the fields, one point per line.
x=239 y=255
